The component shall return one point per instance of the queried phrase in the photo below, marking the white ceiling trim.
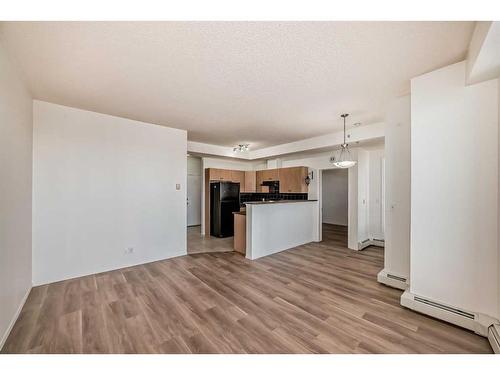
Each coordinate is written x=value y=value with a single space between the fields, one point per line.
x=359 y=134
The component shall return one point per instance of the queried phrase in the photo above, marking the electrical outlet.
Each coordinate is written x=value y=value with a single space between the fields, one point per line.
x=129 y=250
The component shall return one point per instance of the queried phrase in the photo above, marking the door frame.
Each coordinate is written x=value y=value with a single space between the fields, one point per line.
x=194 y=195
x=352 y=216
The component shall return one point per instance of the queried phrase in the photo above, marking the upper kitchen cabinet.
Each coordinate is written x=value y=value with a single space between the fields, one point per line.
x=293 y=180
x=238 y=176
x=267 y=175
x=220 y=174
x=216 y=174
x=250 y=185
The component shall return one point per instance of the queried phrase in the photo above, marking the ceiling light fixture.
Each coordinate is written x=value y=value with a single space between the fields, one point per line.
x=241 y=148
x=343 y=159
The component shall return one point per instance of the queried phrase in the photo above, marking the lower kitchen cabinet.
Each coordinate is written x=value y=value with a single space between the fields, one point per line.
x=240 y=230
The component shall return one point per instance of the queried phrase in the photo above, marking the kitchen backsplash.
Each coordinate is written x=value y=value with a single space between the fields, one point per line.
x=252 y=197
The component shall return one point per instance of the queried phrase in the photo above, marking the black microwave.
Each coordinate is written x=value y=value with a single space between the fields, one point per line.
x=274 y=186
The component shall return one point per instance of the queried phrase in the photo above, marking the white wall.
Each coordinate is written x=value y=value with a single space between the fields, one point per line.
x=353 y=209
x=397 y=188
x=16 y=136
x=194 y=166
x=454 y=190
x=369 y=195
x=363 y=195
x=335 y=187
x=375 y=194
x=101 y=185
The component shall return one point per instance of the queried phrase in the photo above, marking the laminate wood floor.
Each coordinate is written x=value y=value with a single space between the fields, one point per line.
x=316 y=298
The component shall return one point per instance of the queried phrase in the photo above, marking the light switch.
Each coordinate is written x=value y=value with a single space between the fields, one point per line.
x=177 y=186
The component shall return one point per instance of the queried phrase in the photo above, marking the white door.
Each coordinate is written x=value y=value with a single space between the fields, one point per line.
x=193 y=200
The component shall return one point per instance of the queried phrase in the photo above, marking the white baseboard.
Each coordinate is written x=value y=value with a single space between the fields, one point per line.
x=363 y=244
x=38 y=281
x=14 y=318
x=390 y=279
x=377 y=242
x=370 y=242
x=326 y=221
x=477 y=322
x=494 y=337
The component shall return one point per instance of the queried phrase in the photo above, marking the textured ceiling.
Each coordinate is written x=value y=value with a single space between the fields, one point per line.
x=262 y=83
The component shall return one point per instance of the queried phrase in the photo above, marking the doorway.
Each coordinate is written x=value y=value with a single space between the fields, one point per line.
x=335 y=206
x=194 y=182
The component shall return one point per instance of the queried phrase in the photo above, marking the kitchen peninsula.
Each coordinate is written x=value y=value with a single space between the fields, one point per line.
x=274 y=226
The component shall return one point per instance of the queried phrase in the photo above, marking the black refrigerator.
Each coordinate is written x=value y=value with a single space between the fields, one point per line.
x=224 y=200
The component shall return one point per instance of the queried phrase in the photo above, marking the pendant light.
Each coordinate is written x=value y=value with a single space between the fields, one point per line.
x=343 y=159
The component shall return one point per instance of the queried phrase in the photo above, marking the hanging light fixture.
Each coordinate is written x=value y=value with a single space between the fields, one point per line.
x=343 y=159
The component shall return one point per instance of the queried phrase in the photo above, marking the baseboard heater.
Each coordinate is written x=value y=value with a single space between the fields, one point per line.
x=494 y=337
x=444 y=307
x=394 y=281
x=402 y=279
x=474 y=321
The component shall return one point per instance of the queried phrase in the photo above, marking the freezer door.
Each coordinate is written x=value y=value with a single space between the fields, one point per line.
x=229 y=191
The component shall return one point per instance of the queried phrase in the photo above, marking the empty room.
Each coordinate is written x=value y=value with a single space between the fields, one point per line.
x=249 y=187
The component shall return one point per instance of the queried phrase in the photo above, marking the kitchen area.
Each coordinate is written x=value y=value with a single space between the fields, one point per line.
x=263 y=211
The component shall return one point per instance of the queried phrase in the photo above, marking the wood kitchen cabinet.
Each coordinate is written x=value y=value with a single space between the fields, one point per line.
x=220 y=174
x=215 y=174
x=292 y=180
x=266 y=175
x=238 y=176
x=240 y=228
x=250 y=185
x=270 y=175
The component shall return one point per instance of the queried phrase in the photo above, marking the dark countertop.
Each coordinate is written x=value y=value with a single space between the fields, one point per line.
x=282 y=201
x=240 y=213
